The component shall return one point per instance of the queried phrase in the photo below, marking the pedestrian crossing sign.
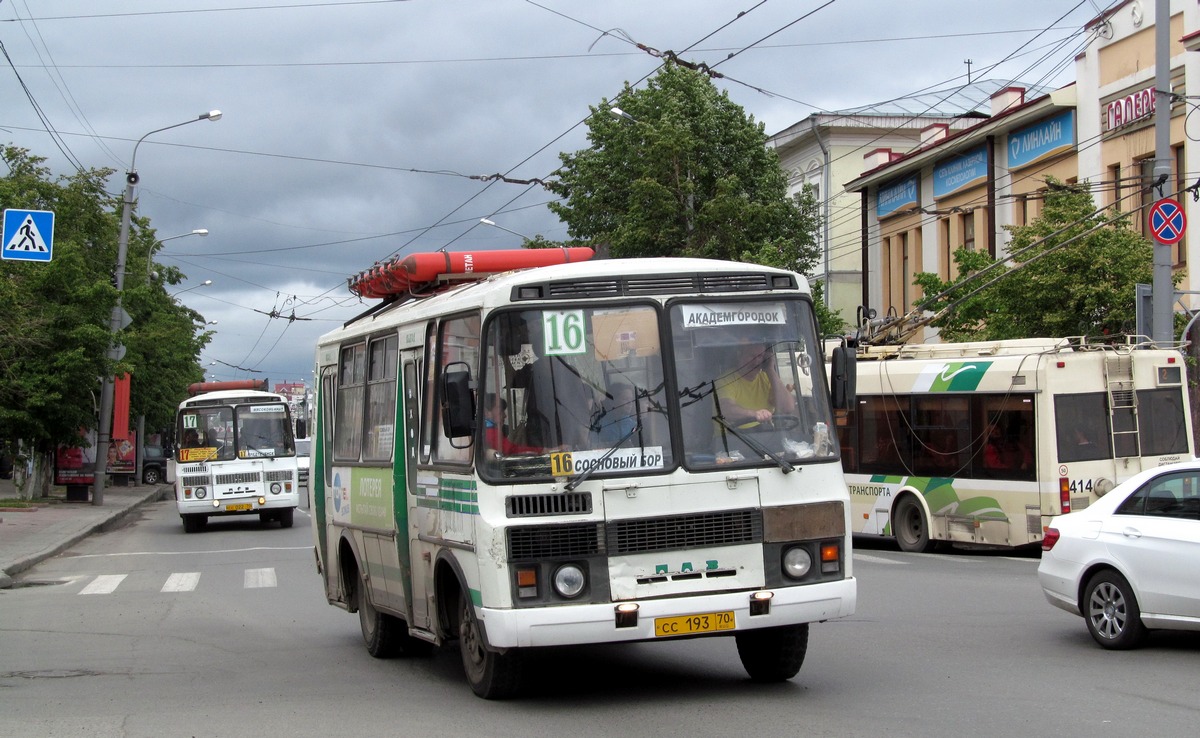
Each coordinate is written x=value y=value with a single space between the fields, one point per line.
x=28 y=235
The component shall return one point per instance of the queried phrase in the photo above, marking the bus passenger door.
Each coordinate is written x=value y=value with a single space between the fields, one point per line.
x=422 y=567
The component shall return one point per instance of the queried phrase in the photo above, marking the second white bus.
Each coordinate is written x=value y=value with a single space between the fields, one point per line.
x=982 y=443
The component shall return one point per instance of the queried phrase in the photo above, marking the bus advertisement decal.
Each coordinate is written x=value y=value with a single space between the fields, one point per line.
x=951 y=376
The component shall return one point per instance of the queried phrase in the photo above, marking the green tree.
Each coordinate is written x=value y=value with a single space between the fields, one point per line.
x=1071 y=275
x=54 y=316
x=687 y=173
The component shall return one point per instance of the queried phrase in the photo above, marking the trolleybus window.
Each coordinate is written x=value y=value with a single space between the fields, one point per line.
x=381 y=399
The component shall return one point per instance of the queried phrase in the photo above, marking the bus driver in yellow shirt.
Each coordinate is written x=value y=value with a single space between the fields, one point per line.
x=752 y=393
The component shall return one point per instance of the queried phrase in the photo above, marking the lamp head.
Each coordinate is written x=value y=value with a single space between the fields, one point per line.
x=213 y=115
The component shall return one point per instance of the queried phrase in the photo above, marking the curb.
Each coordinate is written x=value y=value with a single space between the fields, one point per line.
x=22 y=564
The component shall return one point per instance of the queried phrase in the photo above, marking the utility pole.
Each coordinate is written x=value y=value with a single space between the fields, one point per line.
x=1163 y=291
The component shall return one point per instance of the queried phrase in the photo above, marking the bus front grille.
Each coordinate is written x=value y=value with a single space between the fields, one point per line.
x=283 y=475
x=554 y=541
x=198 y=480
x=238 y=478
x=678 y=532
x=567 y=503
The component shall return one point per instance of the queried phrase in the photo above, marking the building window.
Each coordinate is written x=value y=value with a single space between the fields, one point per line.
x=1148 y=194
x=1181 y=177
x=1114 y=175
x=967 y=223
x=945 y=251
x=905 y=270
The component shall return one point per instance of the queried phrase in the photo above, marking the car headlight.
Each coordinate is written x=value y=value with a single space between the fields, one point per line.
x=200 y=493
x=569 y=580
x=797 y=562
x=276 y=488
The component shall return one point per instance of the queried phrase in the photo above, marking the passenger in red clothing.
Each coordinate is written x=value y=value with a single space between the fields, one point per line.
x=493 y=428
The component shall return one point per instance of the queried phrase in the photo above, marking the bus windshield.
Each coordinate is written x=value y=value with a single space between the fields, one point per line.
x=576 y=391
x=224 y=432
x=751 y=384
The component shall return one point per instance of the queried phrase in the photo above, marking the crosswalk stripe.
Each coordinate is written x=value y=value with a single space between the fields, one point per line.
x=182 y=582
x=103 y=584
x=256 y=578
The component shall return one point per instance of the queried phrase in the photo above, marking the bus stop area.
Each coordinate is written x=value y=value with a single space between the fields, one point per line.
x=51 y=525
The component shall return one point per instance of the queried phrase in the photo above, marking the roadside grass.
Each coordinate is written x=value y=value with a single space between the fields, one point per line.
x=13 y=502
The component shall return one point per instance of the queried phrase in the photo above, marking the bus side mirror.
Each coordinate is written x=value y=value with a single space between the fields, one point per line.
x=842 y=378
x=458 y=401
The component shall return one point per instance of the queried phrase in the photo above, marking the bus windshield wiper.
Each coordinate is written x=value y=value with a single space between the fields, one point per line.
x=571 y=485
x=758 y=447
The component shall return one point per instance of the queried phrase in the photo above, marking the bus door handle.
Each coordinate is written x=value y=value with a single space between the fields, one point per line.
x=731 y=480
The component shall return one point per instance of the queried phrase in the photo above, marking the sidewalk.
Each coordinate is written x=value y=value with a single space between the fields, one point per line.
x=29 y=536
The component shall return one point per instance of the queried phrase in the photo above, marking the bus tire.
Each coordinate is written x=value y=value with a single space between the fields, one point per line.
x=194 y=523
x=910 y=526
x=773 y=654
x=379 y=630
x=491 y=674
x=1111 y=611
x=285 y=517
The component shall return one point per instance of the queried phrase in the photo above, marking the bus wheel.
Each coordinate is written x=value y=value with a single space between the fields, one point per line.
x=492 y=675
x=285 y=517
x=773 y=654
x=194 y=523
x=379 y=630
x=910 y=527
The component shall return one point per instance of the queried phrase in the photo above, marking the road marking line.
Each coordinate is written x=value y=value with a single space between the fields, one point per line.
x=256 y=578
x=103 y=584
x=875 y=559
x=182 y=582
x=191 y=553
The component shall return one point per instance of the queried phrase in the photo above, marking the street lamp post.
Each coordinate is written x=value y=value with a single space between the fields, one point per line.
x=205 y=283
x=494 y=224
x=150 y=275
x=116 y=319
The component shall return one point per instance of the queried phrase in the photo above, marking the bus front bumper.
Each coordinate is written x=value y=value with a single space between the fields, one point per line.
x=242 y=504
x=598 y=623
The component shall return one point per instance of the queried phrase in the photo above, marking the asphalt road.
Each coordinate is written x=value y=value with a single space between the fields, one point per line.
x=146 y=631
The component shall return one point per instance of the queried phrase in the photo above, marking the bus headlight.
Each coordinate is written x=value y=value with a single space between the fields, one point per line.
x=797 y=562
x=201 y=493
x=569 y=580
x=276 y=488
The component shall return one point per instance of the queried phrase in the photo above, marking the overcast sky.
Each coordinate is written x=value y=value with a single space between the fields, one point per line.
x=351 y=129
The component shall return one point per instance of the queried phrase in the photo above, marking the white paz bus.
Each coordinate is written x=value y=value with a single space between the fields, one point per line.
x=518 y=449
x=982 y=443
x=234 y=455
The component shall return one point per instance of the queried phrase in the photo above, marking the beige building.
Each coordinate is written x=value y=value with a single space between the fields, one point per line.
x=825 y=150
x=962 y=187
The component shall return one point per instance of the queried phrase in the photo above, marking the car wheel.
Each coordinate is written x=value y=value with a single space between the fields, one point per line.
x=492 y=675
x=1111 y=611
x=773 y=654
x=151 y=475
x=910 y=527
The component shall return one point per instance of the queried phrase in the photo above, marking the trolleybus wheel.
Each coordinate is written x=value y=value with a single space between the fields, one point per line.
x=773 y=654
x=910 y=527
x=492 y=675
x=1111 y=611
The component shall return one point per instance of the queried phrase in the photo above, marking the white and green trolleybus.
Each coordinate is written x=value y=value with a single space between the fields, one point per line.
x=520 y=449
x=982 y=443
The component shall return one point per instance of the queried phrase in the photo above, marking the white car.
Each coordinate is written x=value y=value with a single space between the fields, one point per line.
x=1131 y=561
x=303 y=447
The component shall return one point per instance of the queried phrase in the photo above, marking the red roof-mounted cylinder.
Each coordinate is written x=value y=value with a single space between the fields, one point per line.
x=397 y=277
x=199 y=388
